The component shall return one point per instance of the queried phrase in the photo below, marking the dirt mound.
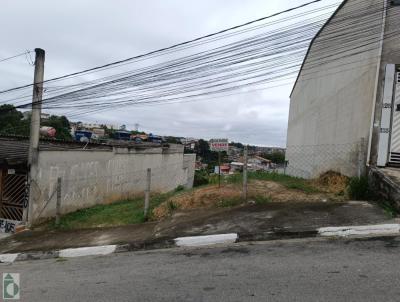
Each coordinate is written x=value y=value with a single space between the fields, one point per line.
x=332 y=182
x=205 y=197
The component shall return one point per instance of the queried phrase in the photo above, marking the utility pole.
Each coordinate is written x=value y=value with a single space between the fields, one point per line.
x=34 y=133
x=245 y=174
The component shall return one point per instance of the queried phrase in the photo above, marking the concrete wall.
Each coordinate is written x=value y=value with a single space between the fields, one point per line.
x=91 y=177
x=332 y=102
x=385 y=185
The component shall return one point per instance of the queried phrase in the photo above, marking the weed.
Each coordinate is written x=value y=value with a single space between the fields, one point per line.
x=389 y=209
x=262 y=199
x=172 y=206
x=230 y=202
x=358 y=188
x=179 y=188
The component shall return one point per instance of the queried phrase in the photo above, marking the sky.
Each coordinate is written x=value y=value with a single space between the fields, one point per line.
x=77 y=35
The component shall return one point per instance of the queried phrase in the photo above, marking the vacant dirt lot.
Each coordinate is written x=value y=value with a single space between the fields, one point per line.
x=259 y=191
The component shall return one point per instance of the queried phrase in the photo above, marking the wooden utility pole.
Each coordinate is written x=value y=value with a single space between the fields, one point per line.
x=34 y=133
x=245 y=174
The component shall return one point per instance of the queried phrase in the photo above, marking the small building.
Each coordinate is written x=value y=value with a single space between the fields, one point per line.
x=259 y=163
x=225 y=169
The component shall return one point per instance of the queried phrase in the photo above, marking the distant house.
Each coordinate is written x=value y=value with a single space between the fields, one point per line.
x=225 y=169
x=269 y=150
x=234 y=153
x=254 y=163
x=259 y=163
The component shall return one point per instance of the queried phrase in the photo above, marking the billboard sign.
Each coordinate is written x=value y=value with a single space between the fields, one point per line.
x=219 y=144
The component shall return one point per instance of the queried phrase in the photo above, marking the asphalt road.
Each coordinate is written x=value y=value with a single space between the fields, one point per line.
x=302 y=270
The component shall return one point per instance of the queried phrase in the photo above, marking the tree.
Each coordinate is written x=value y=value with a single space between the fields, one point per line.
x=209 y=157
x=12 y=122
x=276 y=157
x=237 y=145
x=61 y=124
x=203 y=148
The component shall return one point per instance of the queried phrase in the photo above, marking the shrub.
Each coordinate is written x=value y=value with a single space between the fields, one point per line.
x=200 y=178
x=172 y=206
x=358 y=188
x=179 y=188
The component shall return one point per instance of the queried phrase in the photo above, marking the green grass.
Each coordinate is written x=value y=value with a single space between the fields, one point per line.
x=131 y=211
x=286 y=180
x=262 y=199
x=119 y=213
x=230 y=202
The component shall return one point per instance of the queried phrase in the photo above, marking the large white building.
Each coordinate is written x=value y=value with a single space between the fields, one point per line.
x=345 y=105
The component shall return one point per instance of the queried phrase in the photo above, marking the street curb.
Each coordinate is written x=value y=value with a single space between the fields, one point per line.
x=201 y=241
x=110 y=249
x=195 y=241
x=344 y=231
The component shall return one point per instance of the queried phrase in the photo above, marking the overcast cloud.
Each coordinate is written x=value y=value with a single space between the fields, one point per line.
x=79 y=34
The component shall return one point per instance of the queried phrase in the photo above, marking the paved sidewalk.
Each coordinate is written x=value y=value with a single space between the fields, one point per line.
x=251 y=222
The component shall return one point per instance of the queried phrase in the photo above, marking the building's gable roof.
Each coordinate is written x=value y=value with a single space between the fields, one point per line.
x=313 y=40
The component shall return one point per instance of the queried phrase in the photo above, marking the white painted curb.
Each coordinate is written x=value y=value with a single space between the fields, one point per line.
x=8 y=258
x=380 y=229
x=87 y=251
x=206 y=240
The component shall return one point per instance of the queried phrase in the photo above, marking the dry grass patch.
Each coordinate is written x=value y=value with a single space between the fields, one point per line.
x=332 y=182
x=260 y=191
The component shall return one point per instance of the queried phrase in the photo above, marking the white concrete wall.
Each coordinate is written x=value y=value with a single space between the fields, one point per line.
x=91 y=177
x=331 y=104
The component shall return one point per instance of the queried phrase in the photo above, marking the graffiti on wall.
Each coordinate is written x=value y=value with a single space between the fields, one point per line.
x=7 y=226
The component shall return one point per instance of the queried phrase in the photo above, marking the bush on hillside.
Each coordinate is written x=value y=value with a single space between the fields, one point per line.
x=201 y=178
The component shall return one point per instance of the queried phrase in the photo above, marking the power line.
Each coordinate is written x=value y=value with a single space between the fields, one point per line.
x=170 y=47
x=260 y=59
x=16 y=56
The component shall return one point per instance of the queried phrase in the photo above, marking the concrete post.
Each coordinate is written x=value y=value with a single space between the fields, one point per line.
x=245 y=174
x=219 y=169
x=58 y=205
x=147 y=193
x=34 y=133
x=361 y=163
